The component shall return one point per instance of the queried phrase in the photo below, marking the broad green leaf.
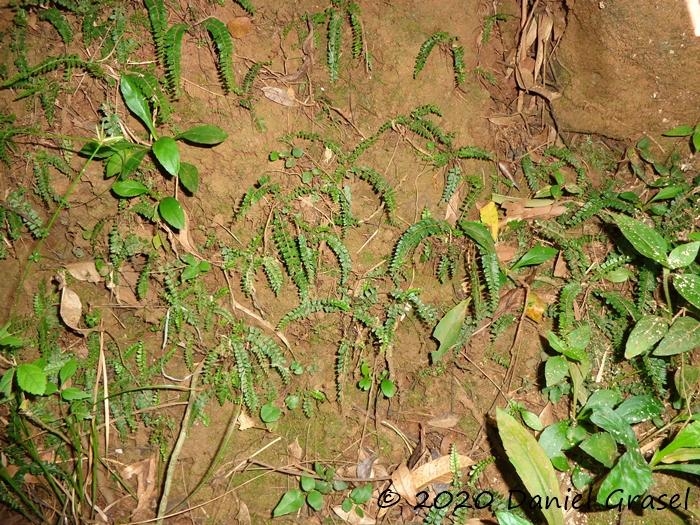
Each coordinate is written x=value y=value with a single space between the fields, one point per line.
x=448 y=329
x=683 y=255
x=579 y=338
x=269 y=413
x=204 y=135
x=555 y=342
x=685 y=380
x=669 y=192
x=479 y=234
x=132 y=160
x=315 y=500
x=631 y=476
x=696 y=139
x=556 y=369
x=531 y=420
x=168 y=154
x=96 y=150
x=536 y=255
x=530 y=462
x=646 y=240
x=611 y=421
x=648 y=331
x=31 y=379
x=554 y=438
x=307 y=483
x=679 y=131
x=6 y=383
x=688 y=437
x=74 y=394
x=639 y=408
x=506 y=517
x=361 y=494
x=601 y=447
x=8 y=340
x=136 y=101
x=171 y=212
x=683 y=454
x=129 y=188
x=68 y=370
x=598 y=399
x=683 y=336
x=291 y=501
x=387 y=387
x=189 y=177
x=688 y=285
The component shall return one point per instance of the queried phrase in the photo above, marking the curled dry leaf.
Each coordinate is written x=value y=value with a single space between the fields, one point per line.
x=283 y=96
x=245 y=421
x=402 y=478
x=71 y=309
x=437 y=470
x=84 y=271
x=145 y=472
x=296 y=453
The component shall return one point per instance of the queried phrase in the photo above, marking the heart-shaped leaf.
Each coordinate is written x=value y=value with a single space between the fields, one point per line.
x=171 y=212
x=205 y=135
x=535 y=255
x=168 y=154
x=31 y=379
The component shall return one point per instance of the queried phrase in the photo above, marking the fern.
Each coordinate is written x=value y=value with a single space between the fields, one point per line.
x=244 y=370
x=622 y=306
x=289 y=254
x=342 y=255
x=530 y=172
x=255 y=194
x=247 y=5
x=345 y=217
x=342 y=362
x=426 y=48
x=380 y=186
x=424 y=312
x=143 y=280
x=247 y=84
x=263 y=345
x=356 y=28
x=172 y=56
x=410 y=240
x=224 y=46
x=475 y=186
x=564 y=154
x=458 y=63
x=21 y=212
x=273 y=272
x=334 y=41
x=453 y=177
x=59 y=22
x=492 y=276
x=308 y=308
x=612 y=262
x=248 y=272
x=52 y=64
x=159 y=21
x=308 y=258
x=565 y=308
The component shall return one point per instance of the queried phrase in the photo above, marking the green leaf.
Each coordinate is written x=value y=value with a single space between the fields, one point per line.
x=688 y=437
x=129 y=188
x=598 y=399
x=315 y=500
x=291 y=501
x=531 y=420
x=578 y=339
x=536 y=255
x=31 y=379
x=189 y=177
x=478 y=233
x=297 y=152
x=683 y=336
x=74 y=394
x=168 y=154
x=692 y=468
x=646 y=240
x=683 y=255
x=6 y=383
x=631 y=476
x=136 y=101
x=601 y=447
x=68 y=370
x=639 y=408
x=555 y=438
x=669 y=192
x=269 y=413
x=307 y=483
x=679 y=131
x=448 y=329
x=8 y=340
x=648 y=331
x=171 y=212
x=530 y=462
x=611 y=421
x=388 y=388
x=361 y=494
x=556 y=369
x=506 y=517
x=688 y=285
x=204 y=135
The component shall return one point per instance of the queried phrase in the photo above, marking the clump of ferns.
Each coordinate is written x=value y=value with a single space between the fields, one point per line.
x=450 y=45
x=333 y=17
x=549 y=174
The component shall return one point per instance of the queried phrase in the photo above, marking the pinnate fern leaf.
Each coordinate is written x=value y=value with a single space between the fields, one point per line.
x=410 y=240
x=224 y=47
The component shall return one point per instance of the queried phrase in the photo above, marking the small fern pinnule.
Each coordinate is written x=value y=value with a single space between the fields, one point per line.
x=411 y=238
x=172 y=55
x=426 y=48
x=224 y=46
x=335 y=21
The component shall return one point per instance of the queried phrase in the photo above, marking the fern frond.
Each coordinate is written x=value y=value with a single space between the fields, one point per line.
x=255 y=194
x=308 y=258
x=425 y=313
x=289 y=254
x=341 y=253
x=143 y=280
x=530 y=172
x=380 y=186
x=159 y=22
x=565 y=308
x=59 y=22
x=458 y=63
x=492 y=277
x=342 y=362
x=244 y=370
x=426 y=48
x=566 y=155
x=247 y=5
x=307 y=308
x=224 y=46
x=472 y=152
x=356 y=28
x=266 y=346
x=248 y=272
x=622 y=306
x=334 y=41
x=475 y=186
x=345 y=217
x=247 y=84
x=410 y=240
x=273 y=272
x=453 y=177
x=172 y=56
x=52 y=64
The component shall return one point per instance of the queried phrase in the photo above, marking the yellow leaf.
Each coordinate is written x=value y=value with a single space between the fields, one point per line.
x=489 y=216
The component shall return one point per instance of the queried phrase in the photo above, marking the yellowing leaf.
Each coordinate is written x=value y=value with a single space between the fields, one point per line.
x=489 y=216
x=535 y=307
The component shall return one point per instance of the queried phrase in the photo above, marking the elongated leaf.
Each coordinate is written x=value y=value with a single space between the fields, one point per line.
x=74 y=394
x=689 y=437
x=136 y=101
x=688 y=285
x=205 y=135
x=631 y=476
x=189 y=177
x=679 y=131
x=31 y=379
x=646 y=240
x=648 y=331
x=669 y=192
x=692 y=468
x=168 y=154
x=536 y=255
x=478 y=233
x=67 y=370
x=616 y=425
x=291 y=501
x=531 y=463
x=683 y=336
x=171 y=212
x=129 y=188
x=448 y=329
x=506 y=517
x=683 y=255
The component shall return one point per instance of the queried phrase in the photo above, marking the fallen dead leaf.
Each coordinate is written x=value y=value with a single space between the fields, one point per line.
x=402 y=478
x=436 y=470
x=243 y=515
x=296 y=453
x=84 y=271
x=71 y=309
x=145 y=472
x=448 y=421
x=535 y=307
x=245 y=421
x=505 y=252
x=283 y=96
x=240 y=26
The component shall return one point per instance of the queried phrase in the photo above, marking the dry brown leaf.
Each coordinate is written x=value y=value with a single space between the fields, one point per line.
x=145 y=472
x=546 y=416
x=404 y=485
x=561 y=269
x=296 y=453
x=245 y=421
x=71 y=309
x=84 y=271
x=448 y=421
x=240 y=26
x=352 y=517
x=183 y=237
x=505 y=252
x=436 y=470
x=283 y=96
x=243 y=515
